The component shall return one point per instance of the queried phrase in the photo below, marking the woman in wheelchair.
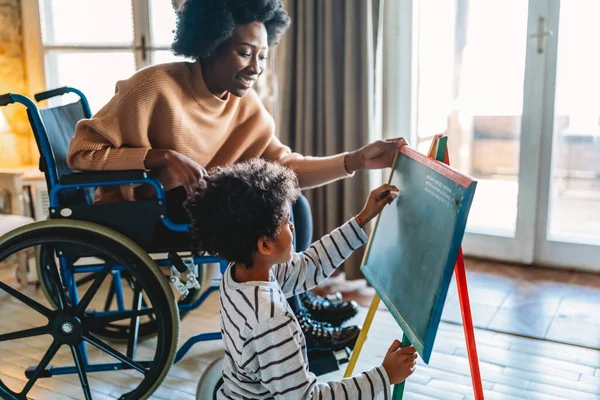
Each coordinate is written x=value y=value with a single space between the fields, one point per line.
x=265 y=349
x=176 y=120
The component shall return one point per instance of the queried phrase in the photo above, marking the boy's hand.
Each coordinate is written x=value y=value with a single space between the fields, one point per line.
x=378 y=199
x=400 y=362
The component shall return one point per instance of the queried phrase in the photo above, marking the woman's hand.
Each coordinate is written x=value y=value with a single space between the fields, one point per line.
x=377 y=155
x=180 y=168
x=378 y=199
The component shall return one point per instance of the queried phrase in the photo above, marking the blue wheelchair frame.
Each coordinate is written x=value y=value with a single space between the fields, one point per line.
x=55 y=188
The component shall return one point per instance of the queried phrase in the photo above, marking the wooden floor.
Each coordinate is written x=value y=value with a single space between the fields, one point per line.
x=512 y=366
x=533 y=302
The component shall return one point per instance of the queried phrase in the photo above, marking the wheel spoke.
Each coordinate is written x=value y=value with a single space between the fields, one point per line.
x=43 y=364
x=115 y=353
x=86 y=279
x=6 y=393
x=80 y=365
x=26 y=299
x=55 y=281
x=109 y=297
x=25 y=333
x=87 y=298
x=118 y=316
x=134 y=325
x=127 y=276
x=145 y=305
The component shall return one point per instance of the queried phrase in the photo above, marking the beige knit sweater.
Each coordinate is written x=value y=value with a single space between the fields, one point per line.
x=168 y=106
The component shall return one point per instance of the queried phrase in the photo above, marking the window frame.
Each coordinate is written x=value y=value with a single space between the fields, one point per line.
x=36 y=51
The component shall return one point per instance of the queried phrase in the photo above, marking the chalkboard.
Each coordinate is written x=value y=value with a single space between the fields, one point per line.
x=414 y=245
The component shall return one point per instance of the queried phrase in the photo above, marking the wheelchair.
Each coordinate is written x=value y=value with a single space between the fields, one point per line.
x=113 y=293
x=129 y=310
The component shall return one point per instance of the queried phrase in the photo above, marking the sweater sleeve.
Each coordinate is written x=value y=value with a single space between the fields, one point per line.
x=311 y=171
x=116 y=138
x=283 y=371
x=319 y=261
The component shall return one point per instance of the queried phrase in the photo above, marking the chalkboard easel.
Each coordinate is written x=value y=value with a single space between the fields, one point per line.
x=438 y=151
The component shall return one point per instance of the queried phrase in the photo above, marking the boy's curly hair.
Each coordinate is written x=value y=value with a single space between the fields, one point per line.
x=202 y=25
x=236 y=205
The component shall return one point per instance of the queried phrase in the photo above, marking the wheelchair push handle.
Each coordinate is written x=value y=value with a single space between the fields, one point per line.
x=51 y=93
x=6 y=99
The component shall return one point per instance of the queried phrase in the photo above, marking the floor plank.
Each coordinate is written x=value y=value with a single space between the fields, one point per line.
x=512 y=366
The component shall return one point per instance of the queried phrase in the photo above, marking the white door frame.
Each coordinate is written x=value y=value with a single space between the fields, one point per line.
x=36 y=51
x=551 y=252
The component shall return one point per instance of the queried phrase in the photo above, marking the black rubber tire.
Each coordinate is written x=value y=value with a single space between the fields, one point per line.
x=133 y=259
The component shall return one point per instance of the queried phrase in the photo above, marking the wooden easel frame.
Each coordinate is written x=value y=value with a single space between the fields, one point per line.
x=465 y=307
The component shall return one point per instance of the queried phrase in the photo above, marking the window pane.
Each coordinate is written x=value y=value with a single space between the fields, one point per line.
x=470 y=88
x=575 y=196
x=96 y=74
x=162 y=22
x=91 y=22
x=166 y=56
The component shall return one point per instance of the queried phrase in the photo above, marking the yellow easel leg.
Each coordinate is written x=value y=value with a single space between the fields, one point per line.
x=362 y=336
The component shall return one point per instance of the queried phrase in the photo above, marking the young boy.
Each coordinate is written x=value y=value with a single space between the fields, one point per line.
x=242 y=213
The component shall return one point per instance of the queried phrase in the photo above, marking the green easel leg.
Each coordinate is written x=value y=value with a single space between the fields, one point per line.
x=399 y=388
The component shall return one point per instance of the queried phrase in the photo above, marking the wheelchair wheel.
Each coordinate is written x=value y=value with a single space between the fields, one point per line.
x=210 y=381
x=45 y=262
x=141 y=369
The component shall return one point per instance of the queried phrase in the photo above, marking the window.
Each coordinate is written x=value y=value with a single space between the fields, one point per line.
x=470 y=88
x=517 y=96
x=91 y=44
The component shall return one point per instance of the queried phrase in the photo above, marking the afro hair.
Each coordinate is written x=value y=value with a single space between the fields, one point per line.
x=234 y=206
x=203 y=25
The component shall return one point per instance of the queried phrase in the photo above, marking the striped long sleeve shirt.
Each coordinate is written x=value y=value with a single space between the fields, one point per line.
x=265 y=348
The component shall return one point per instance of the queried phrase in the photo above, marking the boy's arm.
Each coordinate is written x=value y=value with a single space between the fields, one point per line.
x=274 y=354
x=309 y=268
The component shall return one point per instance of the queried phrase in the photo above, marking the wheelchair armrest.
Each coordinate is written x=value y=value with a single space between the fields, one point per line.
x=103 y=177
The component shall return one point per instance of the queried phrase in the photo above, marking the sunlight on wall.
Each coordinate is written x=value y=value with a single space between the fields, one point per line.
x=17 y=146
